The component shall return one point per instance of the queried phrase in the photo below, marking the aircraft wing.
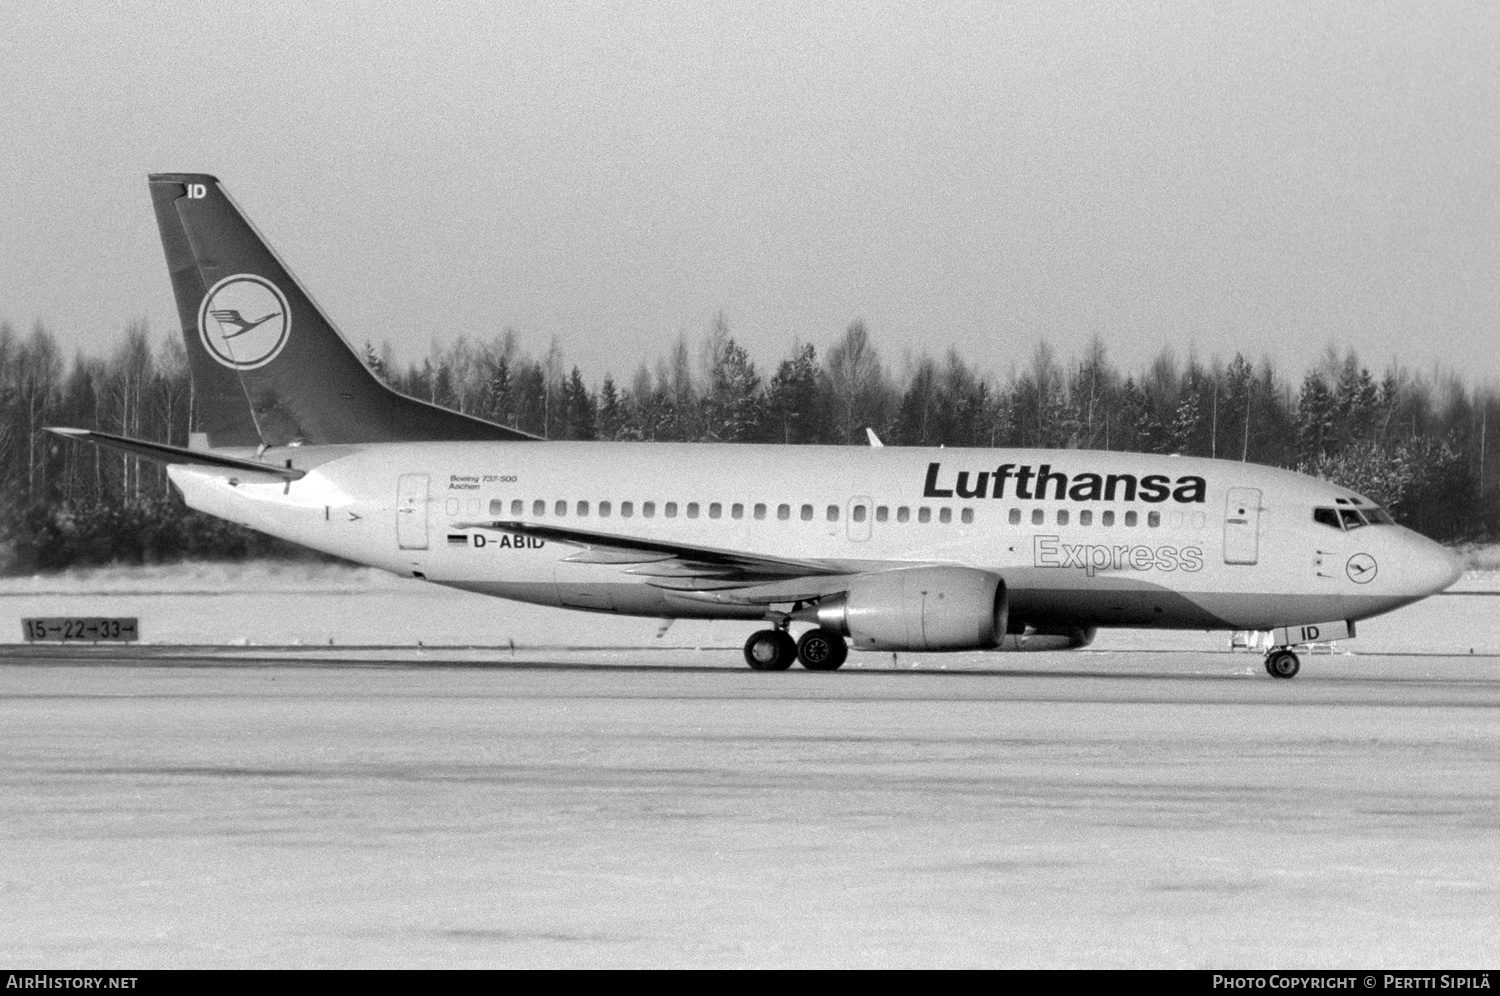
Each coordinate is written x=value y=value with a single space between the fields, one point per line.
x=163 y=453
x=699 y=572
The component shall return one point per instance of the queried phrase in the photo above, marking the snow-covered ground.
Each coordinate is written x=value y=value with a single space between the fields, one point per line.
x=1119 y=806
x=283 y=604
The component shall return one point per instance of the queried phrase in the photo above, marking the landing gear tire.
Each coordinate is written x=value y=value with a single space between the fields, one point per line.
x=1282 y=664
x=770 y=650
x=822 y=650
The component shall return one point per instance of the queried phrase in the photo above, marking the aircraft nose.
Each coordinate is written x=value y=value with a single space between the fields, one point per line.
x=1432 y=566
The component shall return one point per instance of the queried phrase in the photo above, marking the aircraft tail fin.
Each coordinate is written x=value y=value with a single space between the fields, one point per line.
x=268 y=366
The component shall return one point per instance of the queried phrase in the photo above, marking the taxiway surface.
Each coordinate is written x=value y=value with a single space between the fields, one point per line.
x=207 y=808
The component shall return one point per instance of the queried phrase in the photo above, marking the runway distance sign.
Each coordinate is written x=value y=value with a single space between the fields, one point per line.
x=73 y=629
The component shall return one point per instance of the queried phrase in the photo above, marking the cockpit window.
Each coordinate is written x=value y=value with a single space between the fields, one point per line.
x=1350 y=518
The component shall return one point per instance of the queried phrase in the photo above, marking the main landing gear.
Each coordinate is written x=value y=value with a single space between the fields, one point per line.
x=1282 y=663
x=774 y=650
x=770 y=650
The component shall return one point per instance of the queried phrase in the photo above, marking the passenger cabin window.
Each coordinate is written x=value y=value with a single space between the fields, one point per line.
x=497 y=507
x=833 y=513
x=1038 y=517
x=882 y=513
x=783 y=512
x=807 y=513
x=561 y=508
x=737 y=511
x=760 y=510
x=903 y=514
x=1130 y=519
x=1086 y=518
x=924 y=514
x=858 y=514
x=604 y=510
x=1015 y=516
x=583 y=508
x=627 y=509
x=1062 y=517
x=670 y=510
x=692 y=510
x=517 y=506
x=715 y=510
x=1153 y=520
x=538 y=507
x=1108 y=518
x=967 y=516
x=945 y=515
x=648 y=509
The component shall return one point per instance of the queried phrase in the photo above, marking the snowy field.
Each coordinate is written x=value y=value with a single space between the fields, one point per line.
x=284 y=605
x=597 y=796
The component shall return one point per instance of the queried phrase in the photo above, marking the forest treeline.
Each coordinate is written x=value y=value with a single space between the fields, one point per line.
x=1415 y=442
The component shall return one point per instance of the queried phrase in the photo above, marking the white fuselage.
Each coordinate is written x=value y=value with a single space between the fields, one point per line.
x=1117 y=539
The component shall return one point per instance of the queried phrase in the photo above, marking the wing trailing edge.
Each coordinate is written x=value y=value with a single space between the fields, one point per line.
x=698 y=573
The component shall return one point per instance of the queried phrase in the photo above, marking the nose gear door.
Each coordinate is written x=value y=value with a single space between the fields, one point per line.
x=1242 y=526
x=411 y=512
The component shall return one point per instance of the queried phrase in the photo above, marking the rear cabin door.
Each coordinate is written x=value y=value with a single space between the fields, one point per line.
x=411 y=512
x=860 y=512
x=1242 y=526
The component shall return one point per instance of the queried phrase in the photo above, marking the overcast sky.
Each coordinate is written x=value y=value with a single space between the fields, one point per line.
x=1269 y=177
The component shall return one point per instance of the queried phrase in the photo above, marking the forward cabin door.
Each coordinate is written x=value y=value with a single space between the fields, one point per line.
x=859 y=513
x=411 y=512
x=1242 y=526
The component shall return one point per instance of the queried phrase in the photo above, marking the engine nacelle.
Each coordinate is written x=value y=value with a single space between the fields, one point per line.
x=920 y=608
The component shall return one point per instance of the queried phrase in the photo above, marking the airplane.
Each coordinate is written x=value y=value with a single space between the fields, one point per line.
x=877 y=548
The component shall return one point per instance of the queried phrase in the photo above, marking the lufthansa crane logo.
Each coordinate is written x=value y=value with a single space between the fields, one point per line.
x=1361 y=568
x=244 y=321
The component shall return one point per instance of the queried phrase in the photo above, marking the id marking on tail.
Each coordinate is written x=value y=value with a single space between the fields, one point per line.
x=238 y=342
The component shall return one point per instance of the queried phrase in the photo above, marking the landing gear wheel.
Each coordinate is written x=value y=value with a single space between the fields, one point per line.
x=821 y=650
x=1282 y=664
x=770 y=650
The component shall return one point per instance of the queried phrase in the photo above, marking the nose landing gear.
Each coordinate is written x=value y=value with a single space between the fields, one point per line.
x=1282 y=663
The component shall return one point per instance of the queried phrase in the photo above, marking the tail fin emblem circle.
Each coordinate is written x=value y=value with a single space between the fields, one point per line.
x=244 y=321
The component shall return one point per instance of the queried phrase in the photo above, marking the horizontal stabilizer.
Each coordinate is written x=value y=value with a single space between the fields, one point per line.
x=163 y=453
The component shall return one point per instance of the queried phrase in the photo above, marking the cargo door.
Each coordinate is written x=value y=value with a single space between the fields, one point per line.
x=860 y=512
x=411 y=512
x=1242 y=526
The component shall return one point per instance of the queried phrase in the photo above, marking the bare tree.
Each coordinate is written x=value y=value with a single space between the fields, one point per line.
x=857 y=384
x=38 y=372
